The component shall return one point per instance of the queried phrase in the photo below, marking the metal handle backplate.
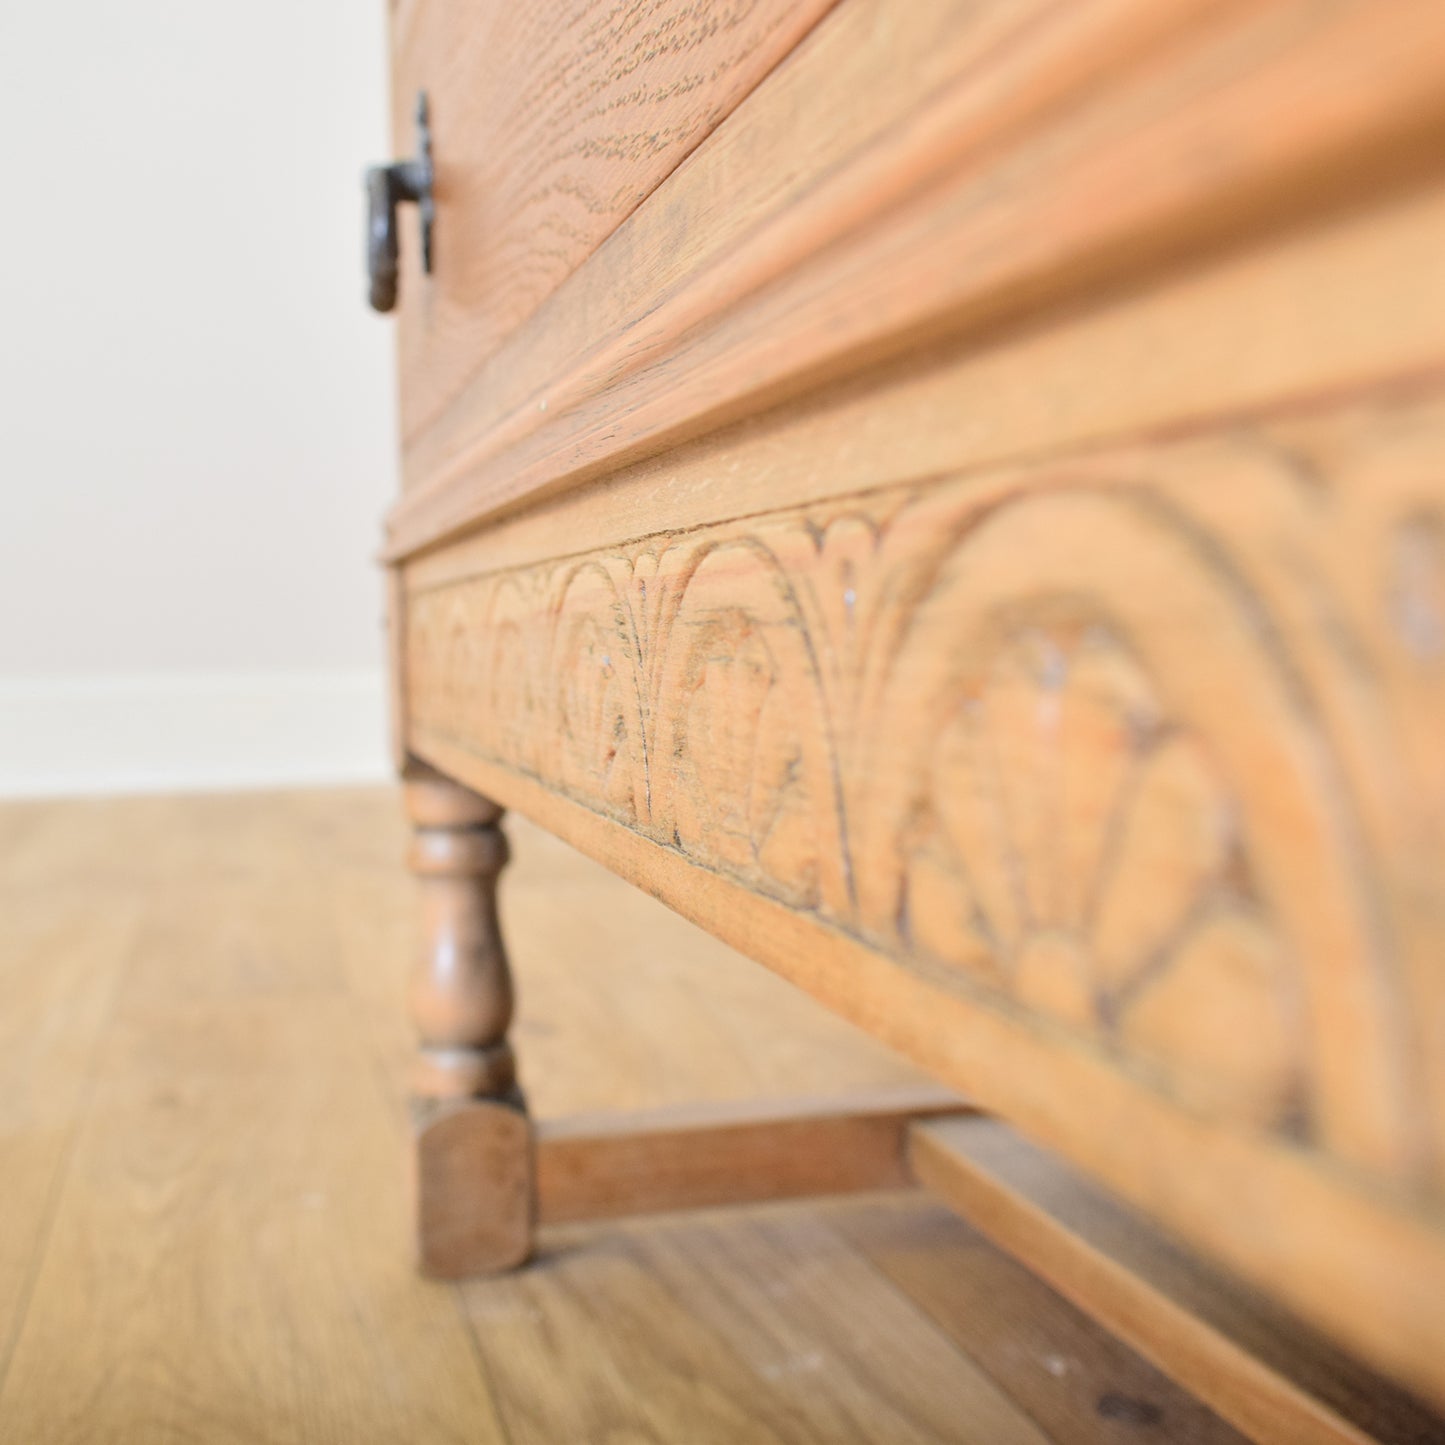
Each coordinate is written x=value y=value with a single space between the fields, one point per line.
x=386 y=188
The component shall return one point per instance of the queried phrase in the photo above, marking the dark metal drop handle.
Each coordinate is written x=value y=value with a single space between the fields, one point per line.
x=386 y=188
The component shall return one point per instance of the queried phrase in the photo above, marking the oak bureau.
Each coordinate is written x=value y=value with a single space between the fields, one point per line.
x=950 y=496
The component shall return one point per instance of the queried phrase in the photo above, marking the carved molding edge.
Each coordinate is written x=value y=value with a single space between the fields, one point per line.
x=1143 y=745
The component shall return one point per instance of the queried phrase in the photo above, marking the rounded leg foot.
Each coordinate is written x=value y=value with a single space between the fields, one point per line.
x=474 y=1192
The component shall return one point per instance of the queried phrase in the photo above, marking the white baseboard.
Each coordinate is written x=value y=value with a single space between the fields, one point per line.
x=186 y=732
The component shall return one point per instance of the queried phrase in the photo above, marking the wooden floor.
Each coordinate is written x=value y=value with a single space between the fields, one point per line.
x=202 y=1232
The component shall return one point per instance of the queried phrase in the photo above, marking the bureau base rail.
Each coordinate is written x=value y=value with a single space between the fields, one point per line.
x=1231 y=1348
x=710 y=1155
x=487 y=1176
x=493 y=1179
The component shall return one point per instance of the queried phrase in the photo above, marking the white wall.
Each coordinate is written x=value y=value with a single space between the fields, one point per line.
x=196 y=415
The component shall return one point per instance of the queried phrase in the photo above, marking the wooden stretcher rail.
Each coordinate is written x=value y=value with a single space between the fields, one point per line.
x=610 y=1166
x=1260 y=1370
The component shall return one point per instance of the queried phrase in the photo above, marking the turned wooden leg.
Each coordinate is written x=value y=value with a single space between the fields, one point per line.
x=473 y=1141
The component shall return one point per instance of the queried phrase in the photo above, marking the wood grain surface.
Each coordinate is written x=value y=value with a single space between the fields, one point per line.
x=221 y=1256
x=1135 y=750
x=981 y=552
x=61 y=956
x=1228 y=1346
x=203 y=1221
x=1075 y=1378
x=1300 y=324
x=1011 y=158
x=1286 y=1214
x=1058 y=729
x=552 y=122
x=683 y=1353
x=472 y=1161
x=608 y=1165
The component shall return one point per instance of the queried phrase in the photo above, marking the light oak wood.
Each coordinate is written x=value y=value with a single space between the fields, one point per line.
x=609 y=614
x=606 y=1166
x=622 y=1005
x=1054 y=156
x=221 y=1254
x=472 y=1186
x=1288 y=1218
x=980 y=552
x=682 y=1350
x=1300 y=324
x=771 y=697
x=461 y=990
x=480 y=1181
x=206 y=1061
x=395 y=584
x=1229 y=1348
x=1081 y=1386
x=551 y=125
x=472 y=1177
x=63 y=953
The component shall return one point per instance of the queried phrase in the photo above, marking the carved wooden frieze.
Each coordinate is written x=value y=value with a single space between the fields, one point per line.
x=1146 y=747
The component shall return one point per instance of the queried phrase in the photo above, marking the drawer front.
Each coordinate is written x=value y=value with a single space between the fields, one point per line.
x=551 y=122
x=911 y=174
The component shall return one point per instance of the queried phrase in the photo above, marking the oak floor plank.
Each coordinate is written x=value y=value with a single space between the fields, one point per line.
x=18 y=821
x=61 y=959
x=1079 y=1383
x=202 y=1219
x=759 y=1326
x=214 y=1273
x=801 y=1305
x=227 y=1257
x=1226 y=1343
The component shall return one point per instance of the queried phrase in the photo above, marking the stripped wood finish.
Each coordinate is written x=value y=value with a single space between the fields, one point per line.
x=1021 y=1331
x=1012 y=158
x=203 y=1224
x=1129 y=810
x=1103 y=798
x=472 y=1179
x=552 y=124
x=1300 y=325
x=1226 y=1345
x=604 y=1166
x=982 y=553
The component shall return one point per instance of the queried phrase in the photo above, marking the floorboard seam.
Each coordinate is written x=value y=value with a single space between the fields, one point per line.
x=55 y=1188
